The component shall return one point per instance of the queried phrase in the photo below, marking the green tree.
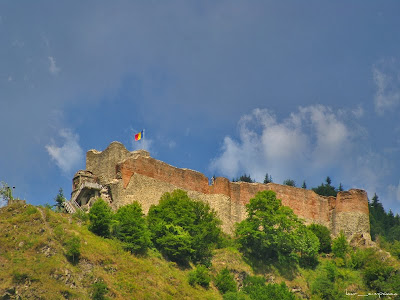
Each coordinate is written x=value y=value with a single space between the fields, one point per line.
x=73 y=249
x=225 y=282
x=59 y=200
x=100 y=216
x=270 y=229
x=326 y=189
x=244 y=178
x=308 y=246
x=289 y=182
x=131 y=228
x=304 y=185
x=189 y=223
x=268 y=178
x=340 y=246
x=324 y=236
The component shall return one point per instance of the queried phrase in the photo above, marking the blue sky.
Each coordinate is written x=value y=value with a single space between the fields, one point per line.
x=296 y=89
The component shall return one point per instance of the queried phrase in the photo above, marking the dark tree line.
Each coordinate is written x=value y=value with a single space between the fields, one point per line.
x=382 y=223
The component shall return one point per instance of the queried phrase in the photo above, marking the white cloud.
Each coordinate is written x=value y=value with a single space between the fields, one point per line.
x=53 y=69
x=310 y=141
x=387 y=80
x=70 y=155
x=145 y=144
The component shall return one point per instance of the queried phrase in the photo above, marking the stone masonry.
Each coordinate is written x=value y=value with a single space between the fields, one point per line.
x=135 y=176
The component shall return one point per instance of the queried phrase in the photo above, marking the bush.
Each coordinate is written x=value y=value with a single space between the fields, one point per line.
x=189 y=224
x=340 y=246
x=324 y=285
x=99 y=290
x=73 y=249
x=81 y=215
x=255 y=287
x=324 y=236
x=200 y=276
x=131 y=228
x=225 y=282
x=100 y=216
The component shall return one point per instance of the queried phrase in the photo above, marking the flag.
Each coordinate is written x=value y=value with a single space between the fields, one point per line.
x=139 y=136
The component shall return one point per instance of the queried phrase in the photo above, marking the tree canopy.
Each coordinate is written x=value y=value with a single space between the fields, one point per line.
x=272 y=231
x=100 y=216
x=183 y=229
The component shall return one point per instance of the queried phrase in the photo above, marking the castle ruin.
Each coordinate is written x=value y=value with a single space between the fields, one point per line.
x=121 y=177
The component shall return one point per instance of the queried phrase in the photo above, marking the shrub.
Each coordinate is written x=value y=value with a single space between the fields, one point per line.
x=99 y=290
x=225 y=282
x=81 y=215
x=255 y=287
x=190 y=224
x=73 y=249
x=100 y=216
x=340 y=246
x=131 y=228
x=324 y=236
x=200 y=276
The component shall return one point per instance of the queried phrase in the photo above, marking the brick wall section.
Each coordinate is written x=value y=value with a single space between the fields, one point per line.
x=348 y=212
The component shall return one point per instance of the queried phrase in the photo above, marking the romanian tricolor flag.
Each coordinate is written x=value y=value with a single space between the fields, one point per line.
x=139 y=136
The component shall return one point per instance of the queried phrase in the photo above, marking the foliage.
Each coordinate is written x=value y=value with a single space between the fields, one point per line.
x=244 y=178
x=268 y=178
x=175 y=243
x=289 y=182
x=383 y=224
x=308 y=246
x=324 y=236
x=340 y=246
x=379 y=275
x=225 y=282
x=326 y=189
x=269 y=231
x=131 y=228
x=81 y=215
x=200 y=276
x=325 y=284
x=235 y=296
x=304 y=185
x=99 y=290
x=59 y=200
x=184 y=229
x=73 y=249
x=255 y=287
x=5 y=193
x=100 y=216
x=360 y=258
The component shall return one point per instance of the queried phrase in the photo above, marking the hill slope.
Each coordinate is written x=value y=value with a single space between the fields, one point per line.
x=34 y=265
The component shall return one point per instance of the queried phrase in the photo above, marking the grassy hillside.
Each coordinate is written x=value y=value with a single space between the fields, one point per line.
x=34 y=265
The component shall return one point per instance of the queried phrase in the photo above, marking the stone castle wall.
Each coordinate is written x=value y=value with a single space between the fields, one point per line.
x=135 y=176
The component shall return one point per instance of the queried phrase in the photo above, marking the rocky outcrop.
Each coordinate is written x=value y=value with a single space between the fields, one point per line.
x=136 y=176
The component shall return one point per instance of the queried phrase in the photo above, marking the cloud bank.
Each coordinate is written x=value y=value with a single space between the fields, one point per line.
x=70 y=155
x=309 y=144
